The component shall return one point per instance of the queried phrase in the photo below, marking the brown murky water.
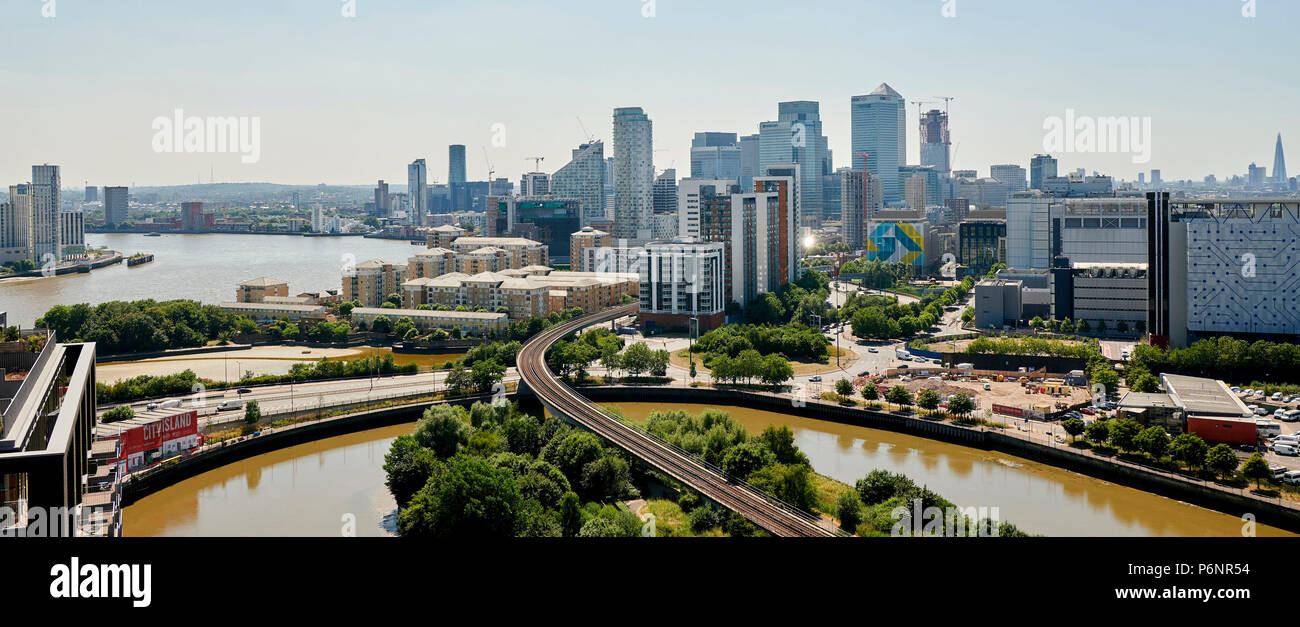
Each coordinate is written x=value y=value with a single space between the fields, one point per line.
x=1036 y=497
x=306 y=490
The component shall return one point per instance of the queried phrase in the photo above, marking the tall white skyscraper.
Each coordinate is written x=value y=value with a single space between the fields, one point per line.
x=417 y=191
x=584 y=178
x=879 y=121
x=45 y=213
x=796 y=137
x=634 y=174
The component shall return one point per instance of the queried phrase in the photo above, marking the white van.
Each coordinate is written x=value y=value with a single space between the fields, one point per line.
x=233 y=404
x=1277 y=396
x=1292 y=477
x=1282 y=449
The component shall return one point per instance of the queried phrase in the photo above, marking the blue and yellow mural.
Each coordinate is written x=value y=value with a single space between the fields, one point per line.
x=896 y=242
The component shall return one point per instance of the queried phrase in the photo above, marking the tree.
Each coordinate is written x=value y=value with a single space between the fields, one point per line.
x=1067 y=326
x=468 y=497
x=1036 y=323
x=881 y=485
x=1189 y=449
x=381 y=324
x=961 y=405
x=780 y=441
x=1104 y=374
x=1073 y=426
x=1222 y=460
x=848 y=508
x=1153 y=441
x=459 y=378
x=776 y=370
x=791 y=483
x=637 y=359
x=570 y=514
x=443 y=430
x=744 y=459
x=844 y=387
x=928 y=399
x=607 y=477
x=252 y=413
x=1256 y=468
x=899 y=395
x=485 y=374
x=870 y=391
x=1097 y=431
x=1123 y=432
x=408 y=467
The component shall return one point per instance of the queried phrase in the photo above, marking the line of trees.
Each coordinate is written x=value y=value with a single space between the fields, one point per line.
x=795 y=341
x=882 y=317
x=143 y=325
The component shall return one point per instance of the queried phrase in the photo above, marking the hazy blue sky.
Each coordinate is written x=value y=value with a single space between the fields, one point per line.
x=350 y=100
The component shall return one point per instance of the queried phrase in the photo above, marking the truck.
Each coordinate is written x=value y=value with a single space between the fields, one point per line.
x=965 y=366
x=903 y=354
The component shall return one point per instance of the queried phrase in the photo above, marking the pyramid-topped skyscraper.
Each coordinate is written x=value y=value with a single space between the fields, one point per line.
x=1279 y=164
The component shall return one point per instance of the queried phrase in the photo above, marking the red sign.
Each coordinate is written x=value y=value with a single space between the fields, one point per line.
x=151 y=443
x=1008 y=411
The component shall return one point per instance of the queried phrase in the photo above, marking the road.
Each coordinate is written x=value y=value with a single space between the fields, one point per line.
x=279 y=399
x=763 y=510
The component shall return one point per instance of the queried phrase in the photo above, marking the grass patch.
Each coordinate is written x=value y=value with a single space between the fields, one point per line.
x=672 y=522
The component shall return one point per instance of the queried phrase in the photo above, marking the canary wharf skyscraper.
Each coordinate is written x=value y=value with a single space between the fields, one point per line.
x=878 y=122
x=584 y=178
x=634 y=174
x=796 y=137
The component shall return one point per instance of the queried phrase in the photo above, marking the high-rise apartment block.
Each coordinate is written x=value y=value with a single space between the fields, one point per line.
x=634 y=174
x=584 y=178
x=116 y=200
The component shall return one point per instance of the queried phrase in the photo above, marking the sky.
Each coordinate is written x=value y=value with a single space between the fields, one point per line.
x=347 y=100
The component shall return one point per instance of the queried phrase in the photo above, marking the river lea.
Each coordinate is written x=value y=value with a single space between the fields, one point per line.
x=306 y=490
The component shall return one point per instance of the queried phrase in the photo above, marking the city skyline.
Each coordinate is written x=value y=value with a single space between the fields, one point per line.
x=327 y=116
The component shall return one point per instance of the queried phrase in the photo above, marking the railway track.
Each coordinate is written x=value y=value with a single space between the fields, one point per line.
x=777 y=517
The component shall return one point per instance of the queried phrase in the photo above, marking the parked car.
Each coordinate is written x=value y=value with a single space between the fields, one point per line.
x=244 y=391
x=815 y=379
x=902 y=366
x=1277 y=396
x=1282 y=449
x=1089 y=411
x=988 y=387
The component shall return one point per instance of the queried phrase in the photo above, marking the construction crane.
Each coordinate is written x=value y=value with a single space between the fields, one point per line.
x=537 y=162
x=946 y=100
x=591 y=139
x=491 y=171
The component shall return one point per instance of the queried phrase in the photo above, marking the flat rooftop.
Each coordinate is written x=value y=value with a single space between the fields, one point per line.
x=1140 y=400
x=1203 y=397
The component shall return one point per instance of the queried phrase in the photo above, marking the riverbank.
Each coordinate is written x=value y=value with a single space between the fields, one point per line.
x=1055 y=483
x=231 y=362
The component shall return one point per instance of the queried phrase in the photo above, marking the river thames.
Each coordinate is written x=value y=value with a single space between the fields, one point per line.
x=203 y=267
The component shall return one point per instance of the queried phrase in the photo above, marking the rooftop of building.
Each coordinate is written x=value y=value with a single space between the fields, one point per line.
x=435 y=252
x=265 y=281
x=1201 y=396
x=1141 y=400
x=479 y=242
x=286 y=307
x=429 y=313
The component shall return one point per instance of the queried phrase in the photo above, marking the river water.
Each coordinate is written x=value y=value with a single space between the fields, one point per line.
x=202 y=267
x=305 y=490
